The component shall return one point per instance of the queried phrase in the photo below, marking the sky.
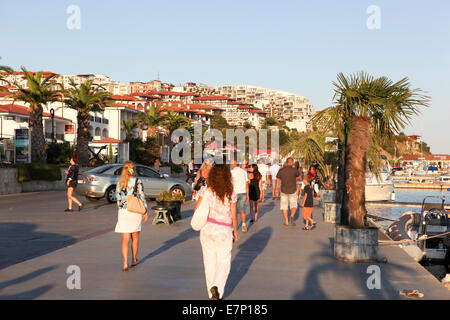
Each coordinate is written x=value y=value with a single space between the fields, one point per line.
x=294 y=46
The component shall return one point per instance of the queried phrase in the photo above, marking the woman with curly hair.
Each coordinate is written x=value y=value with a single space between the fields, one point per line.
x=216 y=237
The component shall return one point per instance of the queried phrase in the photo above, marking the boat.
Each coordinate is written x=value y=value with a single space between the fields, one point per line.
x=380 y=187
x=444 y=180
x=423 y=235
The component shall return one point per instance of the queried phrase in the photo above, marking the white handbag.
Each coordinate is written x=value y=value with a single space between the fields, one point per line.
x=200 y=216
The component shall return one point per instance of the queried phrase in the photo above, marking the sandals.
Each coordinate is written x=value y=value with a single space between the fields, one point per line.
x=306 y=228
x=411 y=293
x=125 y=269
x=134 y=264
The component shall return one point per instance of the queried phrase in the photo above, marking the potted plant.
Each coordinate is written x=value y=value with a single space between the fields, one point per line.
x=168 y=199
x=368 y=110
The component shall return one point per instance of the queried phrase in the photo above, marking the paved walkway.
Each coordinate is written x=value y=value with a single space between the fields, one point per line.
x=269 y=262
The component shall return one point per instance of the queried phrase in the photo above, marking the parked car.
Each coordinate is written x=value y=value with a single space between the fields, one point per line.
x=101 y=182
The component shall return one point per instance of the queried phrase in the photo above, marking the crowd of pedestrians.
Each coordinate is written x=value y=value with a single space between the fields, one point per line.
x=226 y=190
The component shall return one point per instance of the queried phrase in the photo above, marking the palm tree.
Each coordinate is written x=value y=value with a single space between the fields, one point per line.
x=2 y=70
x=129 y=126
x=39 y=91
x=85 y=98
x=367 y=110
x=174 y=120
x=151 y=119
x=312 y=148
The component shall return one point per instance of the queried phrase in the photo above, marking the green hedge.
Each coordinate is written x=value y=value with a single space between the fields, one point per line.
x=38 y=171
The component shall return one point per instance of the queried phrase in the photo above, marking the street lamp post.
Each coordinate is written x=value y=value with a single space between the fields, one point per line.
x=52 y=113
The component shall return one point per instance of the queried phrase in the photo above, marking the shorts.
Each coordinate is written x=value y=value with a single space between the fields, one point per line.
x=73 y=184
x=241 y=200
x=288 y=200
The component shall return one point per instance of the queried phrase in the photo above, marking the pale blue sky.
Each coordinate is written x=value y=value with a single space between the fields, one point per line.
x=295 y=46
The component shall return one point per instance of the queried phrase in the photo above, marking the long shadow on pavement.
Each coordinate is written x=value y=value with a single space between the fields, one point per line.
x=182 y=237
x=30 y=294
x=358 y=271
x=248 y=252
x=19 y=242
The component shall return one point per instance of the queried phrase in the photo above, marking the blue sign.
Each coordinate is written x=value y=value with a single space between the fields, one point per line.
x=22 y=146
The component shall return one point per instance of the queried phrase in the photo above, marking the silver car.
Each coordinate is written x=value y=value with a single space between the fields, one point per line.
x=102 y=181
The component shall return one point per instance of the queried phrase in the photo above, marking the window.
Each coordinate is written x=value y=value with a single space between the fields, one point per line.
x=146 y=172
x=118 y=172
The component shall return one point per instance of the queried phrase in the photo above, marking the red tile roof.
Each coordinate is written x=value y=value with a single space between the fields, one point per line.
x=124 y=98
x=107 y=140
x=258 y=111
x=172 y=93
x=427 y=157
x=22 y=110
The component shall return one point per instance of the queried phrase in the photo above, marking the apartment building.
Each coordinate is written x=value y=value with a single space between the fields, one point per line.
x=278 y=104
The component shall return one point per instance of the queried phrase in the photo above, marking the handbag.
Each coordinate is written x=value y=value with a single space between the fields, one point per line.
x=200 y=216
x=134 y=204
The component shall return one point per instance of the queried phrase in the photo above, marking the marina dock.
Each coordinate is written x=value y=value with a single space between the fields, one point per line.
x=412 y=185
x=270 y=261
x=402 y=204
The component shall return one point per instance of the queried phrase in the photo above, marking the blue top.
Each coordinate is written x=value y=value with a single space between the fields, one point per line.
x=122 y=194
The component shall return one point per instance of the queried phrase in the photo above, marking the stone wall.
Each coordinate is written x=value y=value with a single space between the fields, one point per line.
x=9 y=183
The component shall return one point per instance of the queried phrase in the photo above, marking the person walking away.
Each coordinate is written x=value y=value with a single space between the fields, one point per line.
x=216 y=237
x=274 y=168
x=189 y=171
x=254 y=191
x=202 y=177
x=269 y=177
x=307 y=204
x=157 y=165
x=263 y=169
x=72 y=182
x=288 y=178
x=129 y=223
x=240 y=187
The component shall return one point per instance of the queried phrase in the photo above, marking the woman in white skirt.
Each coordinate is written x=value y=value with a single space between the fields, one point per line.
x=129 y=223
x=216 y=237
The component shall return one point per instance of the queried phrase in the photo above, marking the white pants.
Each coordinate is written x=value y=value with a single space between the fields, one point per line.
x=217 y=261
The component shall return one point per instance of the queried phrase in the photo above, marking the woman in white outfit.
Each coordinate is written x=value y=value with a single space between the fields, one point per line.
x=216 y=237
x=129 y=223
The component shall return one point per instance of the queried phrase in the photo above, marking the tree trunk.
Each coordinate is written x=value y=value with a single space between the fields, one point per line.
x=341 y=192
x=358 y=145
x=38 y=152
x=83 y=137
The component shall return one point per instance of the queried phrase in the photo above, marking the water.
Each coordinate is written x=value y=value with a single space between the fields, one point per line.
x=405 y=195
x=392 y=213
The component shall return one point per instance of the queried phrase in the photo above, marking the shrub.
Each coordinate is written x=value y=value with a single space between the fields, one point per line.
x=38 y=171
x=59 y=153
x=176 y=168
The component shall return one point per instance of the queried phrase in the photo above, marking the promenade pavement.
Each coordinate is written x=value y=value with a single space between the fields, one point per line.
x=270 y=261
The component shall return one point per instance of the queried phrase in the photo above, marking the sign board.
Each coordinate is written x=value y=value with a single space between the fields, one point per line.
x=69 y=129
x=164 y=154
x=22 y=146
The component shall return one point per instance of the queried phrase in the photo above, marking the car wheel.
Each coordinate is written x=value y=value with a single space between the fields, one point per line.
x=111 y=194
x=92 y=199
x=177 y=190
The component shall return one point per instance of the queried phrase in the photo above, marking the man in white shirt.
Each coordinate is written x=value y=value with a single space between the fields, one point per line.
x=264 y=170
x=274 y=170
x=240 y=187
